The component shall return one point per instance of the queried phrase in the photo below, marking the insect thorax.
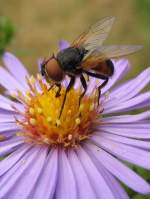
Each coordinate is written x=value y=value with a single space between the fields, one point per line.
x=70 y=58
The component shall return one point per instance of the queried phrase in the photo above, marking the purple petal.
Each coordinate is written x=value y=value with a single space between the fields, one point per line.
x=8 y=134
x=6 y=107
x=15 y=67
x=113 y=184
x=139 y=131
x=66 y=187
x=99 y=184
x=81 y=177
x=12 y=159
x=92 y=84
x=9 y=145
x=128 y=89
x=9 y=127
x=133 y=87
x=118 y=191
x=143 y=104
x=121 y=68
x=131 y=154
x=5 y=99
x=7 y=118
x=63 y=44
x=9 y=82
x=127 y=118
x=25 y=172
x=119 y=170
x=46 y=184
x=6 y=104
x=128 y=105
x=128 y=141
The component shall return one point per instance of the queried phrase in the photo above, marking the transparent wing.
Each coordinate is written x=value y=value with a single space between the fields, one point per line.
x=108 y=52
x=95 y=35
x=116 y=51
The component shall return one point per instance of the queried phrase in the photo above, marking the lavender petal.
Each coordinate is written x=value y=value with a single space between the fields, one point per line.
x=118 y=191
x=12 y=159
x=99 y=184
x=63 y=44
x=124 y=152
x=119 y=170
x=127 y=118
x=139 y=131
x=128 y=141
x=6 y=104
x=9 y=126
x=16 y=67
x=81 y=177
x=131 y=88
x=46 y=185
x=113 y=184
x=6 y=118
x=9 y=145
x=25 y=172
x=66 y=187
x=128 y=105
x=121 y=68
x=9 y=82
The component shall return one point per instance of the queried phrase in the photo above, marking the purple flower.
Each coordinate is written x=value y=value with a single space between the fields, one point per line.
x=84 y=153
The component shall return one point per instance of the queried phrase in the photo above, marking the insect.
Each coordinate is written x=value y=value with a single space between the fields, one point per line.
x=86 y=55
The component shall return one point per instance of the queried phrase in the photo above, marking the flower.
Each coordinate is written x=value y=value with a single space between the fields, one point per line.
x=83 y=153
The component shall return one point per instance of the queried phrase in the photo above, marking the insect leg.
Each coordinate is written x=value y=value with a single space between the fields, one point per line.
x=83 y=81
x=51 y=87
x=59 y=89
x=96 y=75
x=70 y=85
x=99 y=89
x=99 y=76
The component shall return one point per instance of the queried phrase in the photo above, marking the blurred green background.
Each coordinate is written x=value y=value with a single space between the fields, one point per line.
x=32 y=29
x=39 y=24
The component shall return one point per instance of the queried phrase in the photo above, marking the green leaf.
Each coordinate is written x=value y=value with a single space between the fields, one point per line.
x=141 y=197
x=7 y=31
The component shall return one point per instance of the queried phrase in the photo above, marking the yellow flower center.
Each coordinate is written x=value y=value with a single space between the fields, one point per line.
x=41 y=122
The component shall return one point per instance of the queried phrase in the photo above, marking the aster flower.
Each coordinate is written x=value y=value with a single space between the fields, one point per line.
x=84 y=153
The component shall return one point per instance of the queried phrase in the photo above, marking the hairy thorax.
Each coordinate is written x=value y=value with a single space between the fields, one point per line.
x=70 y=58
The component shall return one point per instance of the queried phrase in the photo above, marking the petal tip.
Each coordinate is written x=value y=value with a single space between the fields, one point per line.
x=63 y=44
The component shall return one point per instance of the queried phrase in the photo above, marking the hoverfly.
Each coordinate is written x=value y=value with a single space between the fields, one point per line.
x=86 y=55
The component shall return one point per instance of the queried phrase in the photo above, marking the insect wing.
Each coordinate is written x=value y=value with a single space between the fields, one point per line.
x=95 y=35
x=108 y=52
x=116 y=51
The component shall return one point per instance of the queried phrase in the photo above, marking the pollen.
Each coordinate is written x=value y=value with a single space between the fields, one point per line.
x=58 y=122
x=41 y=123
x=49 y=119
x=92 y=107
x=32 y=121
x=81 y=107
x=39 y=110
x=32 y=80
x=78 y=121
x=31 y=111
x=39 y=77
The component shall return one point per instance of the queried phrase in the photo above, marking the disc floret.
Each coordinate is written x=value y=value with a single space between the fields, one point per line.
x=41 y=123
